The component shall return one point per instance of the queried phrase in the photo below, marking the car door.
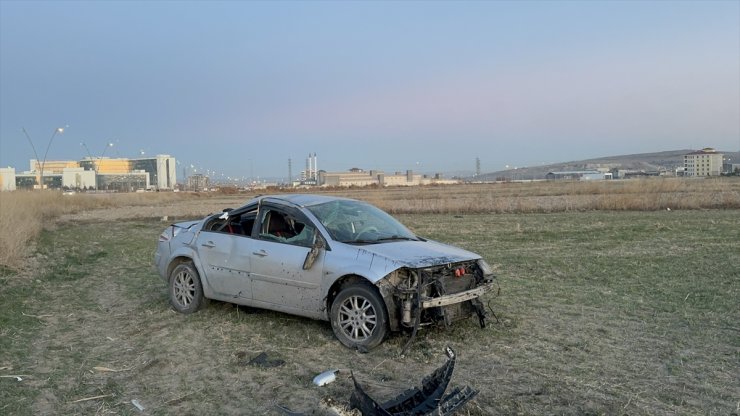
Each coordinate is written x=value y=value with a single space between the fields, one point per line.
x=283 y=239
x=225 y=258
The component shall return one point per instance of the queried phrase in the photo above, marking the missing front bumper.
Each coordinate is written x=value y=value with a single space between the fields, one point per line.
x=454 y=298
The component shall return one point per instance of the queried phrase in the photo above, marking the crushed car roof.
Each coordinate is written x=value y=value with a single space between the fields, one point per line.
x=303 y=200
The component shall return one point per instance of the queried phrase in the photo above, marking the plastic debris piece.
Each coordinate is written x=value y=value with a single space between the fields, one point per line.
x=262 y=360
x=138 y=405
x=427 y=400
x=17 y=377
x=326 y=377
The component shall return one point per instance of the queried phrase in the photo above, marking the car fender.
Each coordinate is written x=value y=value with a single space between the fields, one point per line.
x=358 y=261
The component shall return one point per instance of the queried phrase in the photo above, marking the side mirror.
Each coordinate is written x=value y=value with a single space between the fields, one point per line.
x=313 y=254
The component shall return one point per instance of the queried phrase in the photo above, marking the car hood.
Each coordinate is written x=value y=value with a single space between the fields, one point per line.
x=417 y=254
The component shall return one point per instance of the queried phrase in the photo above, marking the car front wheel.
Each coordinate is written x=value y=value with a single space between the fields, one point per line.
x=186 y=291
x=358 y=317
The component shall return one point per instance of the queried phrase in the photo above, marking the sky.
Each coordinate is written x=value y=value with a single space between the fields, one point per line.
x=241 y=87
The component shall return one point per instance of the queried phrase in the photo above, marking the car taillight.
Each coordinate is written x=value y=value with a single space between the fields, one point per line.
x=167 y=234
x=164 y=237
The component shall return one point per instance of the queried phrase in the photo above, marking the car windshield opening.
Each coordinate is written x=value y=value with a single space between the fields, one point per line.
x=356 y=222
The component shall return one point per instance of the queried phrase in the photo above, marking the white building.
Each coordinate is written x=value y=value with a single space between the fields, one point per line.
x=704 y=162
x=78 y=178
x=7 y=179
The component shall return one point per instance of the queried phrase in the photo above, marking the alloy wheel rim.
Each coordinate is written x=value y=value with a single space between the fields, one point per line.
x=184 y=288
x=357 y=318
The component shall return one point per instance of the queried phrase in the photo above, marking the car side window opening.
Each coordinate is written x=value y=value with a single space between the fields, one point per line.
x=283 y=228
x=238 y=224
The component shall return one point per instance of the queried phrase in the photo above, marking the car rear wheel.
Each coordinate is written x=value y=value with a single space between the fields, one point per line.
x=358 y=317
x=186 y=291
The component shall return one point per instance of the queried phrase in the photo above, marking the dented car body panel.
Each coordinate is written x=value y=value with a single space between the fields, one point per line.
x=296 y=253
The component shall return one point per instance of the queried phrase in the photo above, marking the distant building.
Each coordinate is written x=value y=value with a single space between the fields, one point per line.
x=309 y=176
x=197 y=183
x=704 y=162
x=161 y=168
x=731 y=168
x=359 y=177
x=579 y=175
x=7 y=179
x=78 y=178
x=118 y=174
x=632 y=173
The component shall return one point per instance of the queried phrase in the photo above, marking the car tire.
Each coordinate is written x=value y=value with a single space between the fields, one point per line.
x=185 y=288
x=358 y=317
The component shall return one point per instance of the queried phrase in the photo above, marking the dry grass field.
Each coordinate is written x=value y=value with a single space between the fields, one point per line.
x=24 y=214
x=602 y=311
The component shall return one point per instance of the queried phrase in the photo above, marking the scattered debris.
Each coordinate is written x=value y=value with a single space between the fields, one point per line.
x=17 y=377
x=109 y=370
x=262 y=360
x=36 y=316
x=92 y=398
x=430 y=399
x=326 y=377
x=138 y=405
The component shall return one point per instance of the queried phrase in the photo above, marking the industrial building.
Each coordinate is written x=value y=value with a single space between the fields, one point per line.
x=112 y=174
x=704 y=162
x=359 y=177
x=579 y=175
x=312 y=176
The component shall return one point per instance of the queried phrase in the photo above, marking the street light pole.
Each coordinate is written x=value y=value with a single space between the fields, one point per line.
x=96 y=165
x=36 y=155
x=58 y=130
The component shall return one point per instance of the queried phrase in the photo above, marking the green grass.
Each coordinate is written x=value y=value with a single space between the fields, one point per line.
x=599 y=313
x=625 y=312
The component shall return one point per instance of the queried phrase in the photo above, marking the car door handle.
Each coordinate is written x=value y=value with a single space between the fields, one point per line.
x=261 y=253
x=208 y=244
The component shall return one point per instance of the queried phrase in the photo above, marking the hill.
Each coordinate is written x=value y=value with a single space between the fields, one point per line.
x=668 y=160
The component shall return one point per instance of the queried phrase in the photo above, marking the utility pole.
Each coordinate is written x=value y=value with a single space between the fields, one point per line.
x=290 y=171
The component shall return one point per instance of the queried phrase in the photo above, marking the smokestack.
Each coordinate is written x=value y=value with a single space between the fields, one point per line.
x=316 y=166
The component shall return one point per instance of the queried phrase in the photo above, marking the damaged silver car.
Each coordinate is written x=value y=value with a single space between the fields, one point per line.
x=323 y=257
